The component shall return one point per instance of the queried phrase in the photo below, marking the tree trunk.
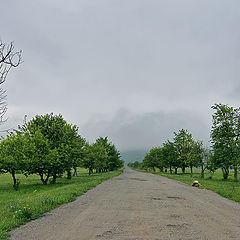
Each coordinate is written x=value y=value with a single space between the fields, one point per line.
x=183 y=169
x=154 y=169
x=90 y=171
x=14 y=179
x=191 y=169
x=54 y=178
x=202 y=171
x=44 y=181
x=235 y=174
x=170 y=169
x=161 y=169
x=176 y=170
x=69 y=174
x=165 y=170
x=225 y=173
x=75 y=172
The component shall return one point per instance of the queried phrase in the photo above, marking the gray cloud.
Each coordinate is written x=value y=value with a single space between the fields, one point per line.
x=143 y=131
x=161 y=60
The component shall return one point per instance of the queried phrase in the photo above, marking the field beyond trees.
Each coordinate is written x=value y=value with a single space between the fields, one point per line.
x=33 y=198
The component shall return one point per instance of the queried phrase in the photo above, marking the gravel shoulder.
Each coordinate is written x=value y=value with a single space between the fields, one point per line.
x=138 y=205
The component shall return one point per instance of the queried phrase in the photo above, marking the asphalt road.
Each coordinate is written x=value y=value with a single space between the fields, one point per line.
x=139 y=206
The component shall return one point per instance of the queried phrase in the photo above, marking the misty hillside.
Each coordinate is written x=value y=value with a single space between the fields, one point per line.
x=133 y=155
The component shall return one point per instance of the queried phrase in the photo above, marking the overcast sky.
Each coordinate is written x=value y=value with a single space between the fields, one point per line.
x=133 y=70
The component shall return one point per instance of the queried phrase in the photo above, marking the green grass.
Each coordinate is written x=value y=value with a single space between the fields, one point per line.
x=33 y=199
x=226 y=188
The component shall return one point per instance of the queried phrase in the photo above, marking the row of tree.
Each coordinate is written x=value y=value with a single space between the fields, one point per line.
x=49 y=146
x=184 y=151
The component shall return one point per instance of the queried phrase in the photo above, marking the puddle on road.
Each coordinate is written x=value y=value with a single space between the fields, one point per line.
x=168 y=197
x=156 y=198
x=106 y=235
x=183 y=225
x=138 y=179
x=176 y=198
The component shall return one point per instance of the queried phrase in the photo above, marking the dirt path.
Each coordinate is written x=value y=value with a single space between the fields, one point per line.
x=139 y=206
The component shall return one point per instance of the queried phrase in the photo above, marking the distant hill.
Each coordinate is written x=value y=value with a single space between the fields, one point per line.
x=133 y=155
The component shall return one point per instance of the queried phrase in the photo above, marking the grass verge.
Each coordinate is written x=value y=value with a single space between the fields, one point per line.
x=33 y=199
x=226 y=188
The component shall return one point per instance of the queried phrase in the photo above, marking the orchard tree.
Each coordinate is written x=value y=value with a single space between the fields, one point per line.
x=206 y=162
x=95 y=157
x=60 y=137
x=135 y=164
x=153 y=159
x=195 y=155
x=236 y=157
x=170 y=155
x=12 y=158
x=225 y=138
x=77 y=152
x=73 y=144
x=114 y=159
x=183 y=142
x=40 y=159
x=147 y=162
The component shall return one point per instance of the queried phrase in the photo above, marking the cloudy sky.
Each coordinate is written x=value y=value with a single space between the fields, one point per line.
x=133 y=70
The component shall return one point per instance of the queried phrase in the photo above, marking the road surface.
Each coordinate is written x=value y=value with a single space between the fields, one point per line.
x=138 y=205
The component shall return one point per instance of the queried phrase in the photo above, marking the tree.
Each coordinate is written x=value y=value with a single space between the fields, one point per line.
x=95 y=157
x=77 y=152
x=170 y=155
x=206 y=161
x=153 y=159
x=61 y=139
x=40 y=159
x=12 y=158
x=225 y=138
x=8 y=58
x=195 y=155
x=183 y=143
x=236 y=158
x=135 y=164
x=113 y=161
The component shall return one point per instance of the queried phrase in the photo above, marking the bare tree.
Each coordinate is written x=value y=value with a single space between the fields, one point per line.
x=8 y=58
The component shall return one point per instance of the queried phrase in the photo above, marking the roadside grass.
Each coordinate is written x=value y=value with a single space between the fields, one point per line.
x=226 y=188
x=33 y=199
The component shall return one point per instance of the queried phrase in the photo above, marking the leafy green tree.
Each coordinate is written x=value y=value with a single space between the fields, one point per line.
x=135 y=164
x=153 y=159
x=195 y=155
x=113 y=161
x=12 y=158
x=95 y=157
x=170 y=156
x=236 y=155
x=158 y=158
x=72 y=148
x=39 y=156
x=60 y=137
x=225 y=138
x=77 y=152
x=183 y=142
x=206 y=162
